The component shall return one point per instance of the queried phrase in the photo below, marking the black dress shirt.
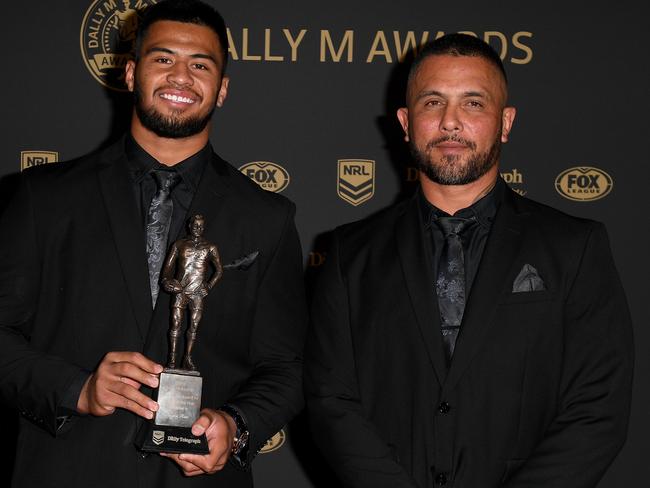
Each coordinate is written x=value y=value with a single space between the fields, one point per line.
x=140 y=164
x=473 y=238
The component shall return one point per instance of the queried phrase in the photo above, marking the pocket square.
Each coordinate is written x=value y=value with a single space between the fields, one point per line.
x=528 y=279
x=244 y=262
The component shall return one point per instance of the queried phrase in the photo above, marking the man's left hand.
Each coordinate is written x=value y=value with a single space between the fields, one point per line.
x=219 y=428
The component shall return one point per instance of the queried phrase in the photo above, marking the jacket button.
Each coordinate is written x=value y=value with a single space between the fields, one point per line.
x=441 y=479
x=444 y=408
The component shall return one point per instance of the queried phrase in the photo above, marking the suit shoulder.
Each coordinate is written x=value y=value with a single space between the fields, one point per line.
x=55 y=190
x=371 y=230
x=262 y=200
x=554 y=221
x=64 y=174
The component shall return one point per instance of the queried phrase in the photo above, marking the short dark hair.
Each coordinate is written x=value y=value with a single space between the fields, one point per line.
x=189 y=12
x=458 y=45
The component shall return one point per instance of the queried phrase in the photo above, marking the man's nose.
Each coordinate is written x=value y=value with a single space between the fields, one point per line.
x=450 y=121
x=180 y=75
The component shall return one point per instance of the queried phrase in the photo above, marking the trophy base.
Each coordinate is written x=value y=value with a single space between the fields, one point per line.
x=179 y=401
x=167 y=438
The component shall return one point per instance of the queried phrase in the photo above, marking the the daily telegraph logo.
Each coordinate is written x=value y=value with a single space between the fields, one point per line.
x=267 y=175
x=274 y=443
x=514 y=178
x=583 y=183
x=108 y=38
x=316 y=258
x=36 y=158
x=356 y=180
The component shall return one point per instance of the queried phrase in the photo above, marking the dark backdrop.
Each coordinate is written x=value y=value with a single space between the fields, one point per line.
x=578 y=75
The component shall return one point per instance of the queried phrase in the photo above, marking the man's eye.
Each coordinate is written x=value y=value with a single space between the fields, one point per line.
x=474 y=104
x=433 y=103
x=200 y=66
x=163 y=60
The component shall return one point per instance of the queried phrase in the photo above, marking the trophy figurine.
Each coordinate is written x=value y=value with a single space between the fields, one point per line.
x=187 y=274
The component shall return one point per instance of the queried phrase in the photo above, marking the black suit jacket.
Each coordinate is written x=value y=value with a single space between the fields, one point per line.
x=74 y=285
x=538 y=390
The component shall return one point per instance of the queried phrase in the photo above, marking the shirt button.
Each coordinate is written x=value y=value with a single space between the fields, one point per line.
x=441 y=479
x=444 y=408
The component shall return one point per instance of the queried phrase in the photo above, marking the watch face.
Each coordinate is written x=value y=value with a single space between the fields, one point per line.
x=239 y=443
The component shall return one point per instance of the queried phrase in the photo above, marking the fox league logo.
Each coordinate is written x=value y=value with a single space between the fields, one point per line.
x=267 y=175
x=583 y=183
x=107 y=38
x=356 y=180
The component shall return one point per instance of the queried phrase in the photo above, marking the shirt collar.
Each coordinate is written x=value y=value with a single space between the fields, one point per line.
x=140 y=163
x=483 y=210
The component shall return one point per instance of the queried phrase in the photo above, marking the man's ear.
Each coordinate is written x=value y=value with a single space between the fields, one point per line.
x=507 y=119
x=129 y=74
x=223 y=91
x=403 y=117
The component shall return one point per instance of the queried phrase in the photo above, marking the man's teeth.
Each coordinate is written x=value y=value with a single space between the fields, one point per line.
x=175 y=98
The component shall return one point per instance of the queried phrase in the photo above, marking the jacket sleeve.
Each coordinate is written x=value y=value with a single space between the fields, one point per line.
x=273 y=394
x=591 y=423
x=34 y=383
x=341 y=428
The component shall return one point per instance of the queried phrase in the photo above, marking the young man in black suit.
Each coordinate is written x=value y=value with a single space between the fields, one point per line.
x=468 y=337
x=83 y=322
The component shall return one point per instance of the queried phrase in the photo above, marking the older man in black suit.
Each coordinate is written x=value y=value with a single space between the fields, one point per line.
x=468 y=337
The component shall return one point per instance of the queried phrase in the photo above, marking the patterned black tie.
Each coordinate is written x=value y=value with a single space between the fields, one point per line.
x=159 y=219
x=450 y=284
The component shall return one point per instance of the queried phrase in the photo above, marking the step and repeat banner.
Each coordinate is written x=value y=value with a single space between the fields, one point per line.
x=311 y=114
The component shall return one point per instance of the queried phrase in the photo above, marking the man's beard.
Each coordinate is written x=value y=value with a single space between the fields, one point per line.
x=450 y=170
x=173 y=126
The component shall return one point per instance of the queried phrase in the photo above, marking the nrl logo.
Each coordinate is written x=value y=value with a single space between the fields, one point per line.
x=274 y=443
x=107 y=38
x=356 y=180
x=158 y=437
x=36 y=158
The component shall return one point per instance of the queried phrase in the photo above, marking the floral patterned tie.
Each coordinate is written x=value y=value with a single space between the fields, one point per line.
x=159 y=219
x=450 y=283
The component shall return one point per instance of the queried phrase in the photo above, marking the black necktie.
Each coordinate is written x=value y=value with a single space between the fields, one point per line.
x=450 y=283
x=159 y=219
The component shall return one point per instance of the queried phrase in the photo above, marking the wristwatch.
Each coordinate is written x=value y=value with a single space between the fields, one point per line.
x=240 y=442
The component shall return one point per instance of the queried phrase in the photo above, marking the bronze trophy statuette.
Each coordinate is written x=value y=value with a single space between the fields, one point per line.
x=187 y=274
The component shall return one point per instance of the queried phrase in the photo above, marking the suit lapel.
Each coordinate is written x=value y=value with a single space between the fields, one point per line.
x=498 y=257
x=416 y=266
x=126 y=227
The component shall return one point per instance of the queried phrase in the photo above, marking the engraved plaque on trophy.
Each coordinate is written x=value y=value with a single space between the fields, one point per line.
x=188 y=275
